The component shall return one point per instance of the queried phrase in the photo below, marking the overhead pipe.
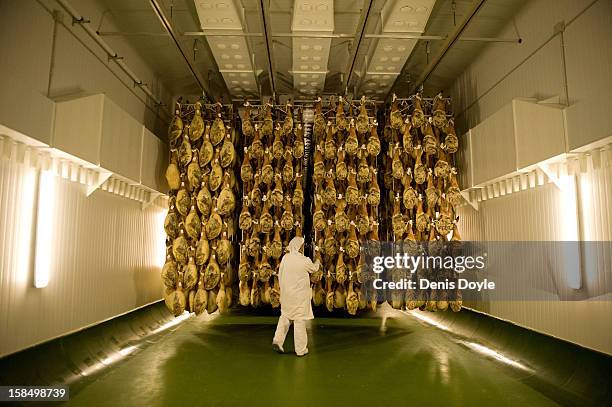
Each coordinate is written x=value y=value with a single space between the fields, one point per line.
x=220 y=33
x=268 y=42
x=397 y=36
x=448 y=43
x=359 y=34
x=203 y=83
x=132 y=34
x=393 y=36
x=77 y=18
x=312 y=35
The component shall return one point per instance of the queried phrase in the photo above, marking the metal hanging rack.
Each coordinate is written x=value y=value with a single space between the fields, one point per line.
x=406 y=104
x=258 y=111
x=188 y=109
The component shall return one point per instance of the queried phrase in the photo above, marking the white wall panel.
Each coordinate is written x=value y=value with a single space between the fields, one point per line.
x=78 y=127
x=588 y=42
x=470 y=223
x=539 y=132
x=493 y=147
x=31 y=71
x=121 y=147
x=541 y=77
x=79 y=71
x=24 y=69
x=106 y=255
x=534 y=69
x=545 y=213
x=595 y=190
x=154 y=162
x=464 y=161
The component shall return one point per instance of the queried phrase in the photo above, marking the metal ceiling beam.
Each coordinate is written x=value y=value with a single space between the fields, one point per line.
x=265 y=20
x=394 y=36
x=220 y=33
x=399 y=36
x=313 y=35
x=165 y=21
x=359 y=34
x=446 y=46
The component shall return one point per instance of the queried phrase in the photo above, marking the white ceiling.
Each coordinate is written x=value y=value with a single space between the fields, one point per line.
x=135 y=18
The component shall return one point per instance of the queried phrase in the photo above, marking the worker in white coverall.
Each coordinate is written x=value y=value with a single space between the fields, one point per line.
x=295 y=296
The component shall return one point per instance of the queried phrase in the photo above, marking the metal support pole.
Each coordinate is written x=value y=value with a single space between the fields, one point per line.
x=393 y=36
x=265 y=18
x=448 y=43
x=398 y=36
x=202 y=82
x=359 y=34
x=77 y=18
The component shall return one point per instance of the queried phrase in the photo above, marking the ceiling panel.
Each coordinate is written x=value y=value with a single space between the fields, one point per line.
x=489 y=21
x=374 y=67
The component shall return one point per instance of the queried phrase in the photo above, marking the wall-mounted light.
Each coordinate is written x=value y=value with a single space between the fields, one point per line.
x=44 y=228
x=570 y=234
x=160 y=239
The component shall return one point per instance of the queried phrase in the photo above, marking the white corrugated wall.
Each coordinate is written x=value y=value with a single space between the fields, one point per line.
x=105 y=257
x=541 y=214
x=535 y=69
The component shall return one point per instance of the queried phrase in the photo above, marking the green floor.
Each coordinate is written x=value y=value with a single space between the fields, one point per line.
x=228 y=361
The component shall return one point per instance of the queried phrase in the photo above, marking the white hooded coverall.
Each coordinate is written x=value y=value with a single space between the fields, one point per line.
x=295 y=296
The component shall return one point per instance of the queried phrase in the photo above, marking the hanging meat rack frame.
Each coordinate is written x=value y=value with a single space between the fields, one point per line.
x=258 y=111
x=188 y=109
x=405 y=104
x=327 y=101
x=331 y=108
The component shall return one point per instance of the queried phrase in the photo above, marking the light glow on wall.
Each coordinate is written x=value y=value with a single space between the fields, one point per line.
x=44 y=228
x=26 y=218
x=592 y=261
x=570 y=235
x=586 y=201
x=160 y=238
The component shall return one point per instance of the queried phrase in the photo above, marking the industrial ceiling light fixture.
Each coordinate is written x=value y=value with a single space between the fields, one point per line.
x=228 y=44
x=311 y=51
x=400 y=20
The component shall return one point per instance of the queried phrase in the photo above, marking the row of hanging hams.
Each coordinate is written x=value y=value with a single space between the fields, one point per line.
x=421 y=182
x=201 y=222
x=272 y=174
x=346 y=199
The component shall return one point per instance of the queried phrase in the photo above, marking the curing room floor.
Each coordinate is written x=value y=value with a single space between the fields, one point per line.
x=227 y=360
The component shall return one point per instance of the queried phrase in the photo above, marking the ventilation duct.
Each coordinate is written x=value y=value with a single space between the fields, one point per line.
x=230 y=52
x=389 y=54
x=310 y=55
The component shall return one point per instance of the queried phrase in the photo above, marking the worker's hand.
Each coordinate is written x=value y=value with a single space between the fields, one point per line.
x=317 y=263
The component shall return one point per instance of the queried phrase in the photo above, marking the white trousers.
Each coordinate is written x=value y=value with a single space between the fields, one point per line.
x=300 y=339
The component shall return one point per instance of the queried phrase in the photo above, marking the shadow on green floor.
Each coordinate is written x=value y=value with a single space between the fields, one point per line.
x=375 y=359
x=230 y=362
